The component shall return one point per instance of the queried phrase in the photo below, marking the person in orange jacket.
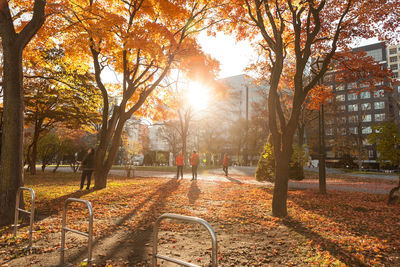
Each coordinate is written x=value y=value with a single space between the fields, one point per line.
x=225 y=164
x=195 y=163
x=179 y=164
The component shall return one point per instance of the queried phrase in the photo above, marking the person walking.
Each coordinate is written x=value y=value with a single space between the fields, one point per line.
x=87 y=166
x=195 y=163
x=225 y=164
x=179 y=164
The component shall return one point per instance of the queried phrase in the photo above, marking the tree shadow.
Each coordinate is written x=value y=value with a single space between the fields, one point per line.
x=234 y=180
x=48 y=209
x=351 y=220
x=134 y=240
x=326 y=244
x=194 y=192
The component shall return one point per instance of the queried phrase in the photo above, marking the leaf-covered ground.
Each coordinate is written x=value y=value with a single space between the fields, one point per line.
x=342 y=228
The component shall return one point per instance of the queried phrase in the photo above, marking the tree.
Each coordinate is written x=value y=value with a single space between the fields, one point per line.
x=56 y=96
x=169 y=134
x=15 y=35
x=48 y=148
x=386 y=137
x=142 y=40
x=298 y=32
x=71 y=143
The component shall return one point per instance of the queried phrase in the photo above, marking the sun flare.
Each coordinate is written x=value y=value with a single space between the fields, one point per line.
x=198 y=95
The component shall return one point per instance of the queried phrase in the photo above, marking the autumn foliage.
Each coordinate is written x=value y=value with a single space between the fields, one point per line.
x=341 y=229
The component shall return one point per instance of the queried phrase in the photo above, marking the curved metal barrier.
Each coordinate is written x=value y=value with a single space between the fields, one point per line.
x=31 y=213
x=214 y=260
x=64 y=229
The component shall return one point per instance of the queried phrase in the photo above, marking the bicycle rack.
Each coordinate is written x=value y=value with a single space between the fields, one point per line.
x=214 y=260
x=64 y=229
x=31 y=213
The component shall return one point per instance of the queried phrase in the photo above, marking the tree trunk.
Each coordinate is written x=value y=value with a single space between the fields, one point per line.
x=12 y=138
x=279 y=207
x=300 y=132
x=58 y=165
x=33 y=152
x=105 y=157
x=12 y=160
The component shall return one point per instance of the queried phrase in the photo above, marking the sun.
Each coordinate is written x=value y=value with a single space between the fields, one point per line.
x=198 y=95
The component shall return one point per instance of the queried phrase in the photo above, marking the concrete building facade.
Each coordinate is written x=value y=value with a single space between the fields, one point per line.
x=356 y=110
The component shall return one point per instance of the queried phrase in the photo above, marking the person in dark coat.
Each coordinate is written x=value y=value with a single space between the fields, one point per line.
x=87 y=168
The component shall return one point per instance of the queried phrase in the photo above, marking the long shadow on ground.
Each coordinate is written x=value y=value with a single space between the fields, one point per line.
x=333 y=248
x=350 y=218
x=234 y=180
x=133 y=241
x=194 y=192
x=49 y=209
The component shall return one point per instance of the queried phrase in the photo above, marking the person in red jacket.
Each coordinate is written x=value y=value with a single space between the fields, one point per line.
x=179 y=164
x=225 y=164
x=195 y=163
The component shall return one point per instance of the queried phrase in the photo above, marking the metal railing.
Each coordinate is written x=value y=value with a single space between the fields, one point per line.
x=64 y=229
x=31 y=213
x=214 y=260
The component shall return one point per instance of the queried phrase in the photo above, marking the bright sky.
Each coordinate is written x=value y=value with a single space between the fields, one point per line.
x=233 y=56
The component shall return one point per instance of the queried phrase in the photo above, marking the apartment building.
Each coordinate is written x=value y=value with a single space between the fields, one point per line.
x=354 y=111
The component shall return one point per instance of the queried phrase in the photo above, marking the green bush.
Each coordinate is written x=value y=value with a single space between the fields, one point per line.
x=265 y=170
x=266 y=164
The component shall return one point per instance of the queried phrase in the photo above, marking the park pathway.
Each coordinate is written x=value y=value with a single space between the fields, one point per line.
x=244 y=175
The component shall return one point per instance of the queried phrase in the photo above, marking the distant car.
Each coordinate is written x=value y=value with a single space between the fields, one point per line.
x=138 y=160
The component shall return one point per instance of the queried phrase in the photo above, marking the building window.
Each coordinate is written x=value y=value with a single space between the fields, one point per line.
x=352 y=96
x=353 y=119
x=342 y=131
x=352 y=86
x=364 y=85
x=329 y=131
x=365 y=106
x=380 y=117
x=376 y=54
x=353 y=130
x=367 y=118
x=379 y=93
x=367 y=130
x=340 y=98
x=393 y=59
x=342 y=120
x=395 y=75
x=392 y=51
x=394 y=67
x=379 y=105
x=365 y=142
x=339 y=87
x=353 y=107
x=342 y=108
x=370 y=153
x=365 y=95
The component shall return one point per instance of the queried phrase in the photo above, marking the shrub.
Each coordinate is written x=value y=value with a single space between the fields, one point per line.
x=265 y=170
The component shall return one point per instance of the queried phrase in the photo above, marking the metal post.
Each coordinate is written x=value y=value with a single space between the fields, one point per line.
x=214 y=260
x=64 y=229
x=31 y=213
x=322 y=163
